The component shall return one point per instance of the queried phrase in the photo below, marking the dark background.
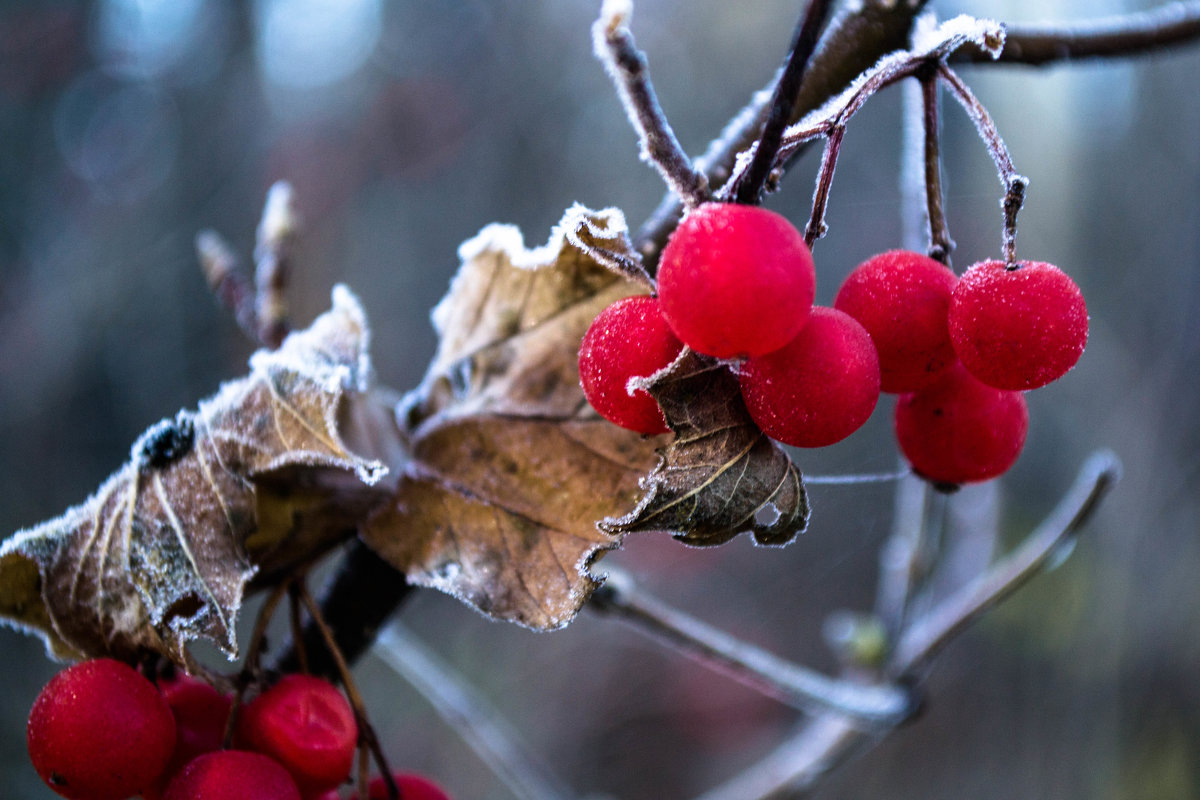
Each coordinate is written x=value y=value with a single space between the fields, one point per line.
x=126 y=127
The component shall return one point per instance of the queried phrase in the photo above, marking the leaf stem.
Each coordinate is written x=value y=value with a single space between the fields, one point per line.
x=480 y=725
x=767 y=673
x=783 y=102
x=627 y=66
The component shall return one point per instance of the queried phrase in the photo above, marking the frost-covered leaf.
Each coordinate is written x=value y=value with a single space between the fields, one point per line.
x=721 y=475
x=258 y=479
x=511 y=469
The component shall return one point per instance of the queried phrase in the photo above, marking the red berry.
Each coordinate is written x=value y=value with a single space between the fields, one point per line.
x=412 y=787
x=736 y=280
x=902 y=299
x=100 y=730
x=232 y=775
x=201 y=713
x=306 y=725
x=959 y=430
x=1018 y=327
x=820 y=387
x=628 y=339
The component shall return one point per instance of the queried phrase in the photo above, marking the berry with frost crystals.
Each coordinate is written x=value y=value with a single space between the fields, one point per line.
x=629 y=339
x=736 y=280
x=232 y=775
x=960 y=430
x=902 y=298
x=100 y=730
x=818 y=389
x=306 y=725
x=1017 y=326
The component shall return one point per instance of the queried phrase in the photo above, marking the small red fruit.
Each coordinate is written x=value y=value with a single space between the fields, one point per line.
x=232 y=775
x=736 y=280
x=306 y=725
x=818 y=389
x=959 y=430
x=201 y=714
x=902 y=298
x=629 y=339
x=412 y=787
x=100 y=730
x=1019 y=326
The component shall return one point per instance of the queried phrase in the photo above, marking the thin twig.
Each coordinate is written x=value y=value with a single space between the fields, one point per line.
x=231 y=286
x=366 y=733
x=250 y=670
x=856 y=478
x=783 y=102
x=816 y=222
x=626 y=65
x=1014 y=184
x=927 y=635
x=480 y=725
x=276 y=233
x=899 y=554
x=750 y=665
x=940 y=243
x=1133 y=34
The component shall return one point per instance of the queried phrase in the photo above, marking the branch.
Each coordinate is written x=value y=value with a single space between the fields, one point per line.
x=782 y=102
x=614 y=46
x=480 y=725
x=1133 y=34
x=750 y=665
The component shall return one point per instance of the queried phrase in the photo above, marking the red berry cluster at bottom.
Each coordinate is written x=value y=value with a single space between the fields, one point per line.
x=100 y=730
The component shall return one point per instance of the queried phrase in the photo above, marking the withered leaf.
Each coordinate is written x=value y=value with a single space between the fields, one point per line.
x=257 y=479
x=721 y=475
x=510 y=467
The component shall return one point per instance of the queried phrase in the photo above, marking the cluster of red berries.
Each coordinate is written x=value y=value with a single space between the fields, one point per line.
x=737 y=282
x=100 y=730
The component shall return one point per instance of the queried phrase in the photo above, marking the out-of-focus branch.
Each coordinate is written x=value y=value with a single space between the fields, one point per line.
x=1133 y=34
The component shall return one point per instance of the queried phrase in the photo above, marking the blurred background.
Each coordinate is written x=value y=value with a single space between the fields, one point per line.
x=126 y=126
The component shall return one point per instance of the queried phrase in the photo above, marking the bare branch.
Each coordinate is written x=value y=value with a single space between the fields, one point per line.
x=276 y=233
x=750 y=188
x=750 y=665
x=231 y=286
x=614 y=46
x=480 y=725
x=1133 y=34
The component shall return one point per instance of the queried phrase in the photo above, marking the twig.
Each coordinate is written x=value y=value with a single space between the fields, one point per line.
x=250 y=670
x=816 y=227
x=1014 y=184
x=899 y=555
x=1133 y=34
x=787 y=88
x=798 y=764
x=276 y=233
x=927 y=635
x=856 y=478
x=231 y=286
x=626 y=65
x=940 y=243
x=481 y=726
x=750 y=665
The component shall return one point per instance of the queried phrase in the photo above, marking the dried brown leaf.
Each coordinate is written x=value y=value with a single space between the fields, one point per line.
x=511 y=469
x=254 y=482
x=721 y=475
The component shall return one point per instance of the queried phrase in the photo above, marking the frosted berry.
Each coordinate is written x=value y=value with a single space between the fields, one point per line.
x=902 y=298
x=1017 y=327
x=306 y=725
x=959 y=430
x=818 y=389
x=736 y=280
x=232 y=775
x=100 y=730
x=201 y=713
x=412 y=787
x=628 y=339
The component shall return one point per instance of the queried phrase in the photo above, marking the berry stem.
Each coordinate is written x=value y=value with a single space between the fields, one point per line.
x=1014 y=183
x=627 y=66
x=250 y=668
x=297 y=628
x=940 y=243
x=1132 y=34
x=816 y=222
x=760 y=670
x=783 y=102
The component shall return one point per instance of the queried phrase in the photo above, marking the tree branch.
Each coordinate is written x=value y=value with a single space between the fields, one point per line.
x=1133 y=34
